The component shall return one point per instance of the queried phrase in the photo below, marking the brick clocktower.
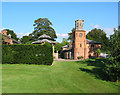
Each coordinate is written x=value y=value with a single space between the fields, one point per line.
x=79 y=41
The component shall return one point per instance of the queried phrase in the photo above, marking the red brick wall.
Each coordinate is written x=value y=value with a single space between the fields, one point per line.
x=79 y=50
x=6 y=39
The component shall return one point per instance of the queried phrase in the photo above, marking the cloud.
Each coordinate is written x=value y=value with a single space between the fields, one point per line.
x=20 y=35
x=6 y=28
x=109 y=31
x=95 y=26
x=88 y=31
x=62 y=35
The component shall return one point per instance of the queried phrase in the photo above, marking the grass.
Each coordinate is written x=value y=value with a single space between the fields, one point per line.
x=62 y=77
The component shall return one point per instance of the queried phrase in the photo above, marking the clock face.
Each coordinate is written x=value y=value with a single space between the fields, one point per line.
x=80 y=35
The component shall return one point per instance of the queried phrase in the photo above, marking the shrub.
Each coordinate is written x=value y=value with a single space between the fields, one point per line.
x=112 y=69
x=80 y=57
x=27 y=54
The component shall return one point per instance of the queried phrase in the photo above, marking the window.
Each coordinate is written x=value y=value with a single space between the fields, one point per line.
x=78 y=54
x=80 y=45
x=92 y=45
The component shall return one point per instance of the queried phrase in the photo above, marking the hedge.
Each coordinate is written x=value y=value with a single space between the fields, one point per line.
x=27 y=54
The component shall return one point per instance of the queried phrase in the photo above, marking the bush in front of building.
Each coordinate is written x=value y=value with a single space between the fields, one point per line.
x=27 y=54
x=80 y=57
x=112 y=69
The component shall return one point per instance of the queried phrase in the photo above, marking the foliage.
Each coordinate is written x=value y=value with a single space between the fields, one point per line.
x=13 y=35
x=98 y=51
x=100 y=36
x=42 y=26
x=27 y=54
x=70 y=35
x=80 y=57
x=2 y=38
x=64 y=42
x=58 y=46
x=25 y=39
x=112 y=69
x=112 y=66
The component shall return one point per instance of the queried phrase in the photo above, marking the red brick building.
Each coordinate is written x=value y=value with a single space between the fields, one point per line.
x=81 y=46
x=7 y=38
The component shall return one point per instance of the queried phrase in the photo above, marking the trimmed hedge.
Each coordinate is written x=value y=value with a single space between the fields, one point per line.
x=27 y=54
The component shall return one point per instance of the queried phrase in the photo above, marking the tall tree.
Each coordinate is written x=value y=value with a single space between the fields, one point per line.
x=12 y=33
x=42 y=26
x=115 y=44
x=70 y=35
x=64 y=42
x=112 y=66
x=100 y=36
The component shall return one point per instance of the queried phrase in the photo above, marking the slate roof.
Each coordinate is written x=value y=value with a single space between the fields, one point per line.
x=44 y=36
x=66 y=46
x=43 y=40
x=92 y=42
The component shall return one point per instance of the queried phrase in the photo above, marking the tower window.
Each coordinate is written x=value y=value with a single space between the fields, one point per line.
x=80 y=45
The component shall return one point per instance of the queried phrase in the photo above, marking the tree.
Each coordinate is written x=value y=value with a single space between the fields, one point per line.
x=98 y=52
x=112 y=66
x=58 y=46
x=13 y=35
x=100 y=36
x=115 y=45
x=42 y=26
x=70 y=35
x=64 y=42
x=25 y=39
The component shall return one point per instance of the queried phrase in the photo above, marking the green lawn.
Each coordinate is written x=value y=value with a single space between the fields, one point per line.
x=62 y=77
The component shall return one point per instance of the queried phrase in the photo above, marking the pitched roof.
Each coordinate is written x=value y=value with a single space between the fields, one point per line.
x=66 y=46
x=44 y=36
x=43 y=40
x=92 y=42
x=8 y=36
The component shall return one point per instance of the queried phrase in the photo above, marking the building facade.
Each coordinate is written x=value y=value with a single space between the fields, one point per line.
x=7 y=39
x=81 y=47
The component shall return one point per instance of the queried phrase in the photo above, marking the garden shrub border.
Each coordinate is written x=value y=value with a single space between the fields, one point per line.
x=27 y=54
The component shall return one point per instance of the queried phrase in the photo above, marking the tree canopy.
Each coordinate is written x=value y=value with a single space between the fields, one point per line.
x=112 y=66
x=58 y=46
x=25 y=39
x=115 y=45
x=70 y=35
x=100 y=36
x=42 y=26
x=13 y=35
